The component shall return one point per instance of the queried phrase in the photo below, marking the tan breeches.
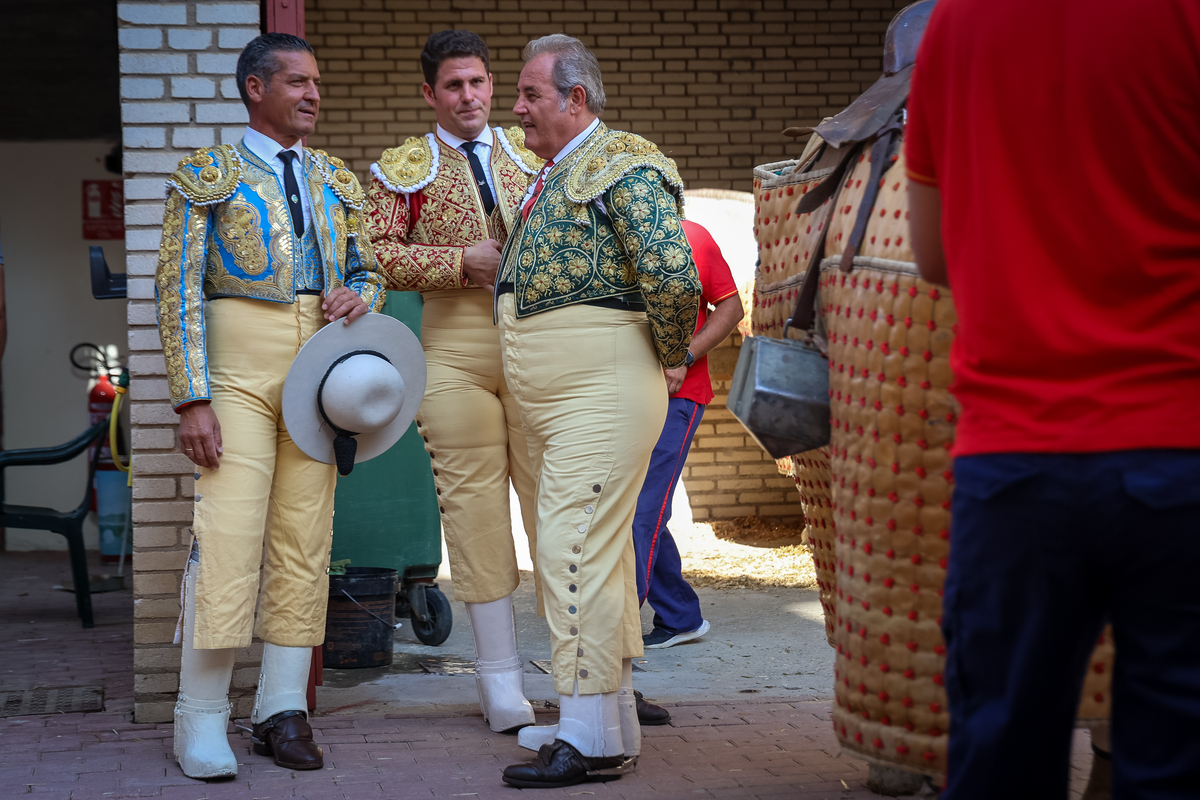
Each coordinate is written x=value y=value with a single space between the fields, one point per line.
x=476 y=444
x=593 y=400
x=265 y=487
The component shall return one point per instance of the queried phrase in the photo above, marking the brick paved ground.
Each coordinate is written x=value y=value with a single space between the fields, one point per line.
x=766 y=748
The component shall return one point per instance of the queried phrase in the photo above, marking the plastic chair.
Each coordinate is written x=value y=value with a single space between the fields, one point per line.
x=67 y=523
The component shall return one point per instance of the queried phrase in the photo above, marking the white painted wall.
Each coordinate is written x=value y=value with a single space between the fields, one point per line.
x=50 y=309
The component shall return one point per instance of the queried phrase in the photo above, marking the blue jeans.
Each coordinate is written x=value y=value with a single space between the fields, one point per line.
x=659 y=568
x=1043 y=550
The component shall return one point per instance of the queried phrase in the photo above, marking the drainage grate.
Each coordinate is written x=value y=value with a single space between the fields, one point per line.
x=51 y=700
x=449 y=665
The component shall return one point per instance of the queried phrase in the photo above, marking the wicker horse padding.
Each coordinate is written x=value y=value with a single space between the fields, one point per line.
x=880 y=531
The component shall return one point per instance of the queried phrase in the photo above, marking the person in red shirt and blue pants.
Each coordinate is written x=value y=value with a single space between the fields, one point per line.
x=1055 y=187
x=677 y=616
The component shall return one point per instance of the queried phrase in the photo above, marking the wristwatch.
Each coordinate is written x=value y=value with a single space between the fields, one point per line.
x=691 y=359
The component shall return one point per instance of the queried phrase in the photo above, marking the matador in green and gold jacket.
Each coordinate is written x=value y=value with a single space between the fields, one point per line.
x=227 y=233
x=606 y=225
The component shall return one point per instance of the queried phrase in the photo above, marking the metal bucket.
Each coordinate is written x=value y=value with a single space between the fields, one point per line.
x=780 y=393
x=360 y=623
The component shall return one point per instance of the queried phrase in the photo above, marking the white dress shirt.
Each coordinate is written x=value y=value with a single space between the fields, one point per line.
x=483 y=149
x=268 y=149
x=578 y=140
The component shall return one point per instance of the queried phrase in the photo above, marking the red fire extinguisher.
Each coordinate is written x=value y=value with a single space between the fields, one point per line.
x=100 y=403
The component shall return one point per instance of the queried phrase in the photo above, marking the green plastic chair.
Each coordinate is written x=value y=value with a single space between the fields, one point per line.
x=66 y=523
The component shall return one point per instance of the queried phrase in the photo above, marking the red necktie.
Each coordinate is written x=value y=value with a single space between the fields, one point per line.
x=537 y=190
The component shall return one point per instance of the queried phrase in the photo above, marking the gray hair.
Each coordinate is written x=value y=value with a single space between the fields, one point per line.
x=259 y=59
x=574 y=65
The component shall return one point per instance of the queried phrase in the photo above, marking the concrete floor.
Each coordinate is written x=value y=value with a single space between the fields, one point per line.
x=762 y=642
x=769 y=643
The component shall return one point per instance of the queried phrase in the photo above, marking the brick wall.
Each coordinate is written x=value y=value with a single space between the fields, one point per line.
x=177 y=63
x=712 y=82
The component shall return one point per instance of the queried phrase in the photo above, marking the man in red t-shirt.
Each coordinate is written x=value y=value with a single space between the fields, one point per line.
x=677 y=616
x=1055 y=187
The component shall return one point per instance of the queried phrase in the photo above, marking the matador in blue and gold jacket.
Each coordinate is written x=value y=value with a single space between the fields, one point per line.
x=227 y=233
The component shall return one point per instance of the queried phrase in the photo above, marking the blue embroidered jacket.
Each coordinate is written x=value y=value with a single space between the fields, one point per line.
x=227 y=232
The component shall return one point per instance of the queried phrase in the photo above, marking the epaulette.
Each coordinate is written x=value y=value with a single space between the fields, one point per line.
x=409 y=167
x=341 y=180
x=208 y=176
x=610 y=157
x=513 y=141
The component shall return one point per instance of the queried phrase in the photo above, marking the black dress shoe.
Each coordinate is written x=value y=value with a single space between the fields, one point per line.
x=559 y=764
x=650 y=714
x=288 y=737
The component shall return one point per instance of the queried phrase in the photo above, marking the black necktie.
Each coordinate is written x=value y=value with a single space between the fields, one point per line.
x=292 y=191
x=485 y=193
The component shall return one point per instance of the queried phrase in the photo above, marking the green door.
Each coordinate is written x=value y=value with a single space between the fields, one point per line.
x=386 y=512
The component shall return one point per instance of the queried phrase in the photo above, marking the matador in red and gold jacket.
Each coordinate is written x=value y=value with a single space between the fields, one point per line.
x=425 y=209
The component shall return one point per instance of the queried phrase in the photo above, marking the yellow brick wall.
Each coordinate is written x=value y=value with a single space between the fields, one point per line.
x=712 y=82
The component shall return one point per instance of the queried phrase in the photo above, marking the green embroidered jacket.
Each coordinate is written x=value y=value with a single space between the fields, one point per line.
x=606 y=224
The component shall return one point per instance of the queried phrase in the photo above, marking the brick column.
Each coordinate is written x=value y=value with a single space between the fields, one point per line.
x=177 y=93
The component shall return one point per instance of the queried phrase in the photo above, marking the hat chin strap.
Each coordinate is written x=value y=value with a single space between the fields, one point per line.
x=345 y=446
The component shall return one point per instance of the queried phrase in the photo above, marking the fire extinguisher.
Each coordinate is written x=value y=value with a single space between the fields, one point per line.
x=100 y=403
x=110 y=493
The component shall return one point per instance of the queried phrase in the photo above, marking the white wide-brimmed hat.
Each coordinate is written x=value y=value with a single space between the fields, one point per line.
x=353 y=390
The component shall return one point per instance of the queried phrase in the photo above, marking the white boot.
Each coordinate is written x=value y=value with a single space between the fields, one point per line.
x=631 y=729
x=280 y=717
x=498 y=675
x=283 y=682
x=532 y=738
x=202 y=710
x=591 y=723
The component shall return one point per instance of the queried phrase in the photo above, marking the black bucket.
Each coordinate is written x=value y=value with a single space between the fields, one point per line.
x=361 y=619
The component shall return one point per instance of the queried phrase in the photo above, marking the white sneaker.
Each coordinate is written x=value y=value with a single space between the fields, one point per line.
x=659 y=639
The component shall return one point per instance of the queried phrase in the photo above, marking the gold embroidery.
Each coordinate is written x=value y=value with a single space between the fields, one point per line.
x=170 y=257
x=339 y=228
x=241 y=230
x=610 y=155
x=275 y=284
x=330 y=260
x=452 y=214
x=569 y=252
x=209 y=175
x=407 y=165
x=516 y=137
x=193 y=302
x=343 y=182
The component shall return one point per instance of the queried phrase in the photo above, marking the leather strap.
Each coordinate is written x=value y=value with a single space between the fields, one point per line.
x=805 y=311
x=881 y=158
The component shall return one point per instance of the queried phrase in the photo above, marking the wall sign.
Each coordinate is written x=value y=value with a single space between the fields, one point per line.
x=103 y=210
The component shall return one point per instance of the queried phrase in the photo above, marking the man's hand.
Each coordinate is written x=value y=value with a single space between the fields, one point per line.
x=200 y=435
x=480 y=263
x=675 y=378
x=343 y=302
